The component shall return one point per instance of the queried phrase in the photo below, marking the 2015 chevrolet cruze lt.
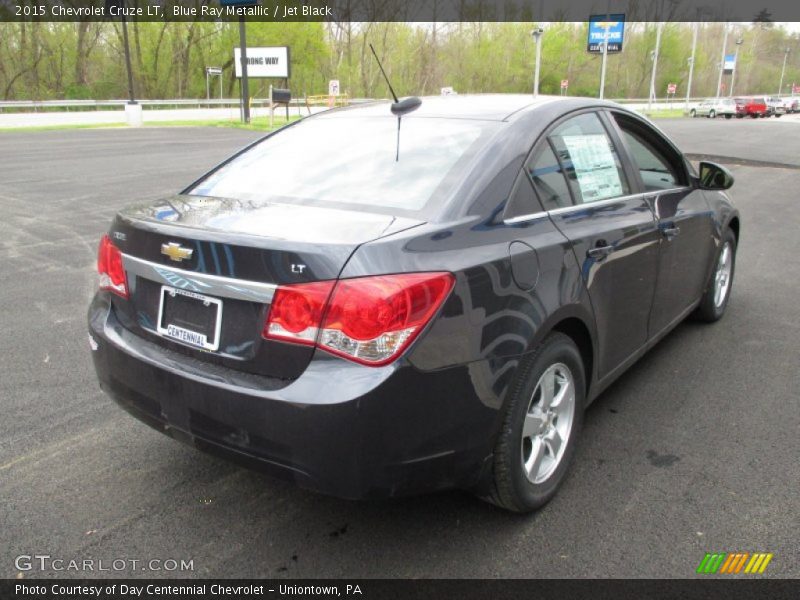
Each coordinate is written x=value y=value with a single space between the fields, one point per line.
x=383 y=303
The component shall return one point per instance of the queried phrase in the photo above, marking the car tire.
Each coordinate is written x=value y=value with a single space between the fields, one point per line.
x=529 y=464
x=693 y=113
x=718 y=290
x=728 y=116
x=712 y=114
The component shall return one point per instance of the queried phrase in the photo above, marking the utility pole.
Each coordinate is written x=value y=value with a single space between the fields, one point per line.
x=603 y=64
x=244 y=85
x=722 y=61
x=783 y=69
x=655 y=67
x=131 y=98
x=537 y=35
x=691 y=65
x=133 y=110
x=735 y=65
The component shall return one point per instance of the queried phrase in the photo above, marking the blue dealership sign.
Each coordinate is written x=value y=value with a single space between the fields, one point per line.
x=602 y=25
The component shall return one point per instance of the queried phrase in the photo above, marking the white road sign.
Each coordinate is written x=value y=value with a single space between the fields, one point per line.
x=263 y=62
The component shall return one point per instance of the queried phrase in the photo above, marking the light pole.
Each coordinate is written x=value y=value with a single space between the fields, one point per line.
x=603 y=65
x=722 y=60
x=739 y=42
x=783 y=69
x=691 y=65
x=537 y=36
x=209 y=72
x=654 y=55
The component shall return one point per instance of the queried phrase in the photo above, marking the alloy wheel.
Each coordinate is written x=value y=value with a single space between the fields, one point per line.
x=722 y=276
x=548 y=423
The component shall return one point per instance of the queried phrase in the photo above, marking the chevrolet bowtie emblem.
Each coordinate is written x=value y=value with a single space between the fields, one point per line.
x=176 y=252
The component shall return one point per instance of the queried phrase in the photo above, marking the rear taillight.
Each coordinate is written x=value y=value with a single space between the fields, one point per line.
x=369 y=320
x=296 y=312
x=109 y=265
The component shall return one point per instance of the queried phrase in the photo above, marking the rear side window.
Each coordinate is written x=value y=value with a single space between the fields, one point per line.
x=589 y=159
x=548 y=180
x=660 y=167
x=353 y=162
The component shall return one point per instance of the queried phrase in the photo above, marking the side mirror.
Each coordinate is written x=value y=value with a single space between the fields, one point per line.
x=714 y=176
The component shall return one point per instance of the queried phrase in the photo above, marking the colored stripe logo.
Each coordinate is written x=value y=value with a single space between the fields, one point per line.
x=731 y=563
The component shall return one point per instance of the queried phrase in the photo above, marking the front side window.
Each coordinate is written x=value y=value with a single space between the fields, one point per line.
x=589 y=159
x=659 y=165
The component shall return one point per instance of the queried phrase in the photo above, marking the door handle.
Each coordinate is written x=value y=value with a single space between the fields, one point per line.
x=599 y=252
x=670 y=232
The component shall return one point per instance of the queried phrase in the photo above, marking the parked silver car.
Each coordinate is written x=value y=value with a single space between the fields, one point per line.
x=775 y=106
x=791 y=104
x=713 y=107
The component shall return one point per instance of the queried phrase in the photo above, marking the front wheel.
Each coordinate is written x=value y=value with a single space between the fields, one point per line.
x=728 y=116
x=541 y=422
x=715 y=299
x=712 y=114
x=693 y=113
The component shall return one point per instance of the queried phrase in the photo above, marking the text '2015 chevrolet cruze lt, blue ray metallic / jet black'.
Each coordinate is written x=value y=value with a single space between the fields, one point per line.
x=376 y=302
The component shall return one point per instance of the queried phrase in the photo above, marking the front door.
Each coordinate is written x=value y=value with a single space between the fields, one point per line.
x=684 y=220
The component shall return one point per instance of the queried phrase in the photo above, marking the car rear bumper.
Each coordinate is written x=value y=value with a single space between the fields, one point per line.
x=340 y=428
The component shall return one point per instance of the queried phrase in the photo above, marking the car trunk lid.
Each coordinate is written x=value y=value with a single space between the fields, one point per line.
x=202 y=272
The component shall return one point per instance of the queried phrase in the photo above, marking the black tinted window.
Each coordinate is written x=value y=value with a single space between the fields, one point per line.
x=658 y=164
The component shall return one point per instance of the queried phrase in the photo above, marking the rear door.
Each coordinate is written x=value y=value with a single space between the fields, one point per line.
x=612 y=229
x=684 y=219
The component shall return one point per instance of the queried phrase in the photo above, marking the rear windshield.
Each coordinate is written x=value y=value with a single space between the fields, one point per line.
x=353 y=162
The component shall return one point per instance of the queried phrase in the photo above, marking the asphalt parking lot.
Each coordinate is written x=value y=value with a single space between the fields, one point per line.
x=694 y=450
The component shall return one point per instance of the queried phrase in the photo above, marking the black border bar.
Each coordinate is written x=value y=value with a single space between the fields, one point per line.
x=400 y=10
x=733 y=588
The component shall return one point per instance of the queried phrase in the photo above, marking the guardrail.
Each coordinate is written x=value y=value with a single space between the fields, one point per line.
x=37 y=105
x=300 y=102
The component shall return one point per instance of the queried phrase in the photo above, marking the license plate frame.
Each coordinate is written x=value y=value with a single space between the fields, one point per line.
x=183 y=335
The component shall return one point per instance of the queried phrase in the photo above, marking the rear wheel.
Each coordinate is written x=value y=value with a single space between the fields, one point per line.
x=693 y=113
x=715 y=299
x=712 y=114
x=542 y=420
x=728 y=116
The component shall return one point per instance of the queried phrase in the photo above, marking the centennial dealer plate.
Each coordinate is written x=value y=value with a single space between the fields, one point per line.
x=190 y=318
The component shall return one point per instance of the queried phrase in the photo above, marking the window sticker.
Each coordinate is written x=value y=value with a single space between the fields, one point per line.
x=595 y=166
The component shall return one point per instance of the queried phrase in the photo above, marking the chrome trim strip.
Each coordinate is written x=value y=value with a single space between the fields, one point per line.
x=525 y=218
x=606 y=202
x=599 y=203
x=202 y=283
x=609 y=201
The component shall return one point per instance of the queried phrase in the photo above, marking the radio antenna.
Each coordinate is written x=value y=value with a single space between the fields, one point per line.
x=391 y=89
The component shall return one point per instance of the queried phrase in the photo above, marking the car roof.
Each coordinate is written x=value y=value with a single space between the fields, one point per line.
x=489 y=107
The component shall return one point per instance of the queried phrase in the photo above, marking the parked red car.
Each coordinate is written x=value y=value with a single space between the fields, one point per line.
x=754 y=107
